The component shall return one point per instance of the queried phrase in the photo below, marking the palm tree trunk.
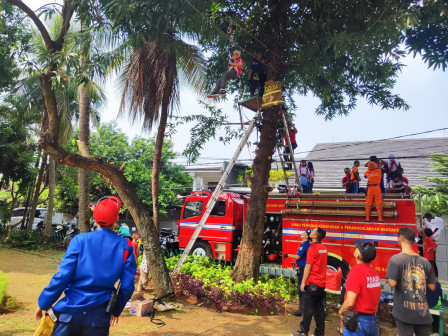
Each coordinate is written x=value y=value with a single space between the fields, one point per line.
x=51 y=188
x=35 y=200
x=158 y=149
x=83 y=145
x=14 y=199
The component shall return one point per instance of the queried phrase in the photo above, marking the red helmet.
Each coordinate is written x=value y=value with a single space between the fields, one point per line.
x=107 y=210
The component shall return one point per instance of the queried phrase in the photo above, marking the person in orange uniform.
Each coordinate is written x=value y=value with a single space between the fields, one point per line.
x=355 y=177
x=373 y=175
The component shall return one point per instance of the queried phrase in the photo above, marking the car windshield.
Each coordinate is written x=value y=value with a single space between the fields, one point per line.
x=192 y=209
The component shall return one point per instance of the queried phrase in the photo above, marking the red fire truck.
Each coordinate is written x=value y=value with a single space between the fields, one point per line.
x=287 y=216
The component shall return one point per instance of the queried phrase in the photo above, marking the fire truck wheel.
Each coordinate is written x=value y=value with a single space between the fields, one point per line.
x=202 y=249
x=334 y=263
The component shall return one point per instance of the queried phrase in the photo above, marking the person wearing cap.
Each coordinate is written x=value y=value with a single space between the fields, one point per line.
x=235 y=67
x=363 y=291
x=433 y=223
x=124 y=231
x=373 y=175
x=313 y=285
x=300 y=258
x=380 y=164
x=393 y=167
x=410 y=275
x=91 y=266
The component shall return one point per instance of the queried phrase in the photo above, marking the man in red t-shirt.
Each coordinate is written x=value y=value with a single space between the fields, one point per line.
x=313 y=285
x=429 y=251
x=363 y=290
x=235 y=67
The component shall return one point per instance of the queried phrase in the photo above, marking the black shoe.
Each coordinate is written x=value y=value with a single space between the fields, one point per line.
x=297 y=313
x=213 y=92
x=222 y=91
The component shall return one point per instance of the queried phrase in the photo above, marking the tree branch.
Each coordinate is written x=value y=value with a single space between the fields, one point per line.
x=67 y=13
x=40 y=26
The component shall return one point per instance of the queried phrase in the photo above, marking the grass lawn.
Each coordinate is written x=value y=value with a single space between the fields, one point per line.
x=30 y=272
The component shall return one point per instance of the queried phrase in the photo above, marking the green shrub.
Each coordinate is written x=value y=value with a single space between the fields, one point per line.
x=218 y=275
x=7 y=303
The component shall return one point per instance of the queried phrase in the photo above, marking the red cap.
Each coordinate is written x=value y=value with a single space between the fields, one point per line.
x=107 y=210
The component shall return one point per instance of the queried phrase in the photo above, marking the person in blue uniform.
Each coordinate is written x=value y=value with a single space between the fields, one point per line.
x=300 y=258
x=257 y=75
x=88 y=272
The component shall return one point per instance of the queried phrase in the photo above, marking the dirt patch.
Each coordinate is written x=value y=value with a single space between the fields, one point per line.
x=29 y=273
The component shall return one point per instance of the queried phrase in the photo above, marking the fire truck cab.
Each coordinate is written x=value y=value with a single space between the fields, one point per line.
x=287 y=216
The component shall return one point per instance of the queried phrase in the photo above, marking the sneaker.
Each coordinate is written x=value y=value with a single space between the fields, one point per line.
x=222 y=91
x=299 y=334
x=297 y=313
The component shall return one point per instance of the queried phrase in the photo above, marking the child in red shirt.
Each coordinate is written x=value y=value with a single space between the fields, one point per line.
x=429 y=250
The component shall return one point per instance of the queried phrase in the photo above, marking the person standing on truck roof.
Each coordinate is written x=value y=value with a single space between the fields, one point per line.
x=346 y=181
x=433 y=223
x=410 y=275
x=380 y=164
x=363 y=291
x=300 y=258
x=304 y=176
x=355 y=177
x=313 y=285
x=393 y=167
x=373 y=176
x=91 y=266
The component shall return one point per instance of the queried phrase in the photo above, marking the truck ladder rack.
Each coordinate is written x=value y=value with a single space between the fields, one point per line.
x=212 y=201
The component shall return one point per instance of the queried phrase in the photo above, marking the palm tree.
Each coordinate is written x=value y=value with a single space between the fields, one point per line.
x=150 y=83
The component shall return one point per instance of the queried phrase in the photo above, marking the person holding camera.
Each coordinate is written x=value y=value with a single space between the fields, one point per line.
x=91 y=266
x=313 y=285
x=363 y=291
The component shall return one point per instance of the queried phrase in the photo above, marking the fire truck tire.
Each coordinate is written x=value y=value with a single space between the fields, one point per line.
x=334 y=263
x=202 y=249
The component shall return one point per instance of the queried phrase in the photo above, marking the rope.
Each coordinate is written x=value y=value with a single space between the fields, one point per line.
x=223 y=33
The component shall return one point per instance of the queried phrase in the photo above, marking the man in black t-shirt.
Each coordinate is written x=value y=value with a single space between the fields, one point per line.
x=410 y=275
x=257 y=75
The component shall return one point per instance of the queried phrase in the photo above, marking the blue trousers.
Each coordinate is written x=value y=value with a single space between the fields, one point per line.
x=91 y=322
x=368 y=326
x=355 y=186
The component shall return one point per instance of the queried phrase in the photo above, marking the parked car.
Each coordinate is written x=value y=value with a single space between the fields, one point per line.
x=39 y=217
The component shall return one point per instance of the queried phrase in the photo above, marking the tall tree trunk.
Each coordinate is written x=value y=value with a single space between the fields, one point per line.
x=114 y=176
x=83 y=145
x=35 y=199
x=247 y=265
x=51 y=188
x=248 y=261
x=14 y=199
x=158 y=148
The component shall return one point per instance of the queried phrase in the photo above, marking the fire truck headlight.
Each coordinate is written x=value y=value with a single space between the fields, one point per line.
x=271 y=218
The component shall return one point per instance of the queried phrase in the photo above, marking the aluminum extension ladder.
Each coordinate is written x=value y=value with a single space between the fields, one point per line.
x=212 y=201
x=287 y=159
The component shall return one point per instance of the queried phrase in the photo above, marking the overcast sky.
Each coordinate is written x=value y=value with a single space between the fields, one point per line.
x=425 y=90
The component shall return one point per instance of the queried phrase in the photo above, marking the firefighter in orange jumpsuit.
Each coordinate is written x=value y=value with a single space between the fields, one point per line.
x=373 y=176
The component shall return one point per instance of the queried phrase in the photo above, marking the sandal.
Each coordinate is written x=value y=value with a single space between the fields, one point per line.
x=339 y=331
